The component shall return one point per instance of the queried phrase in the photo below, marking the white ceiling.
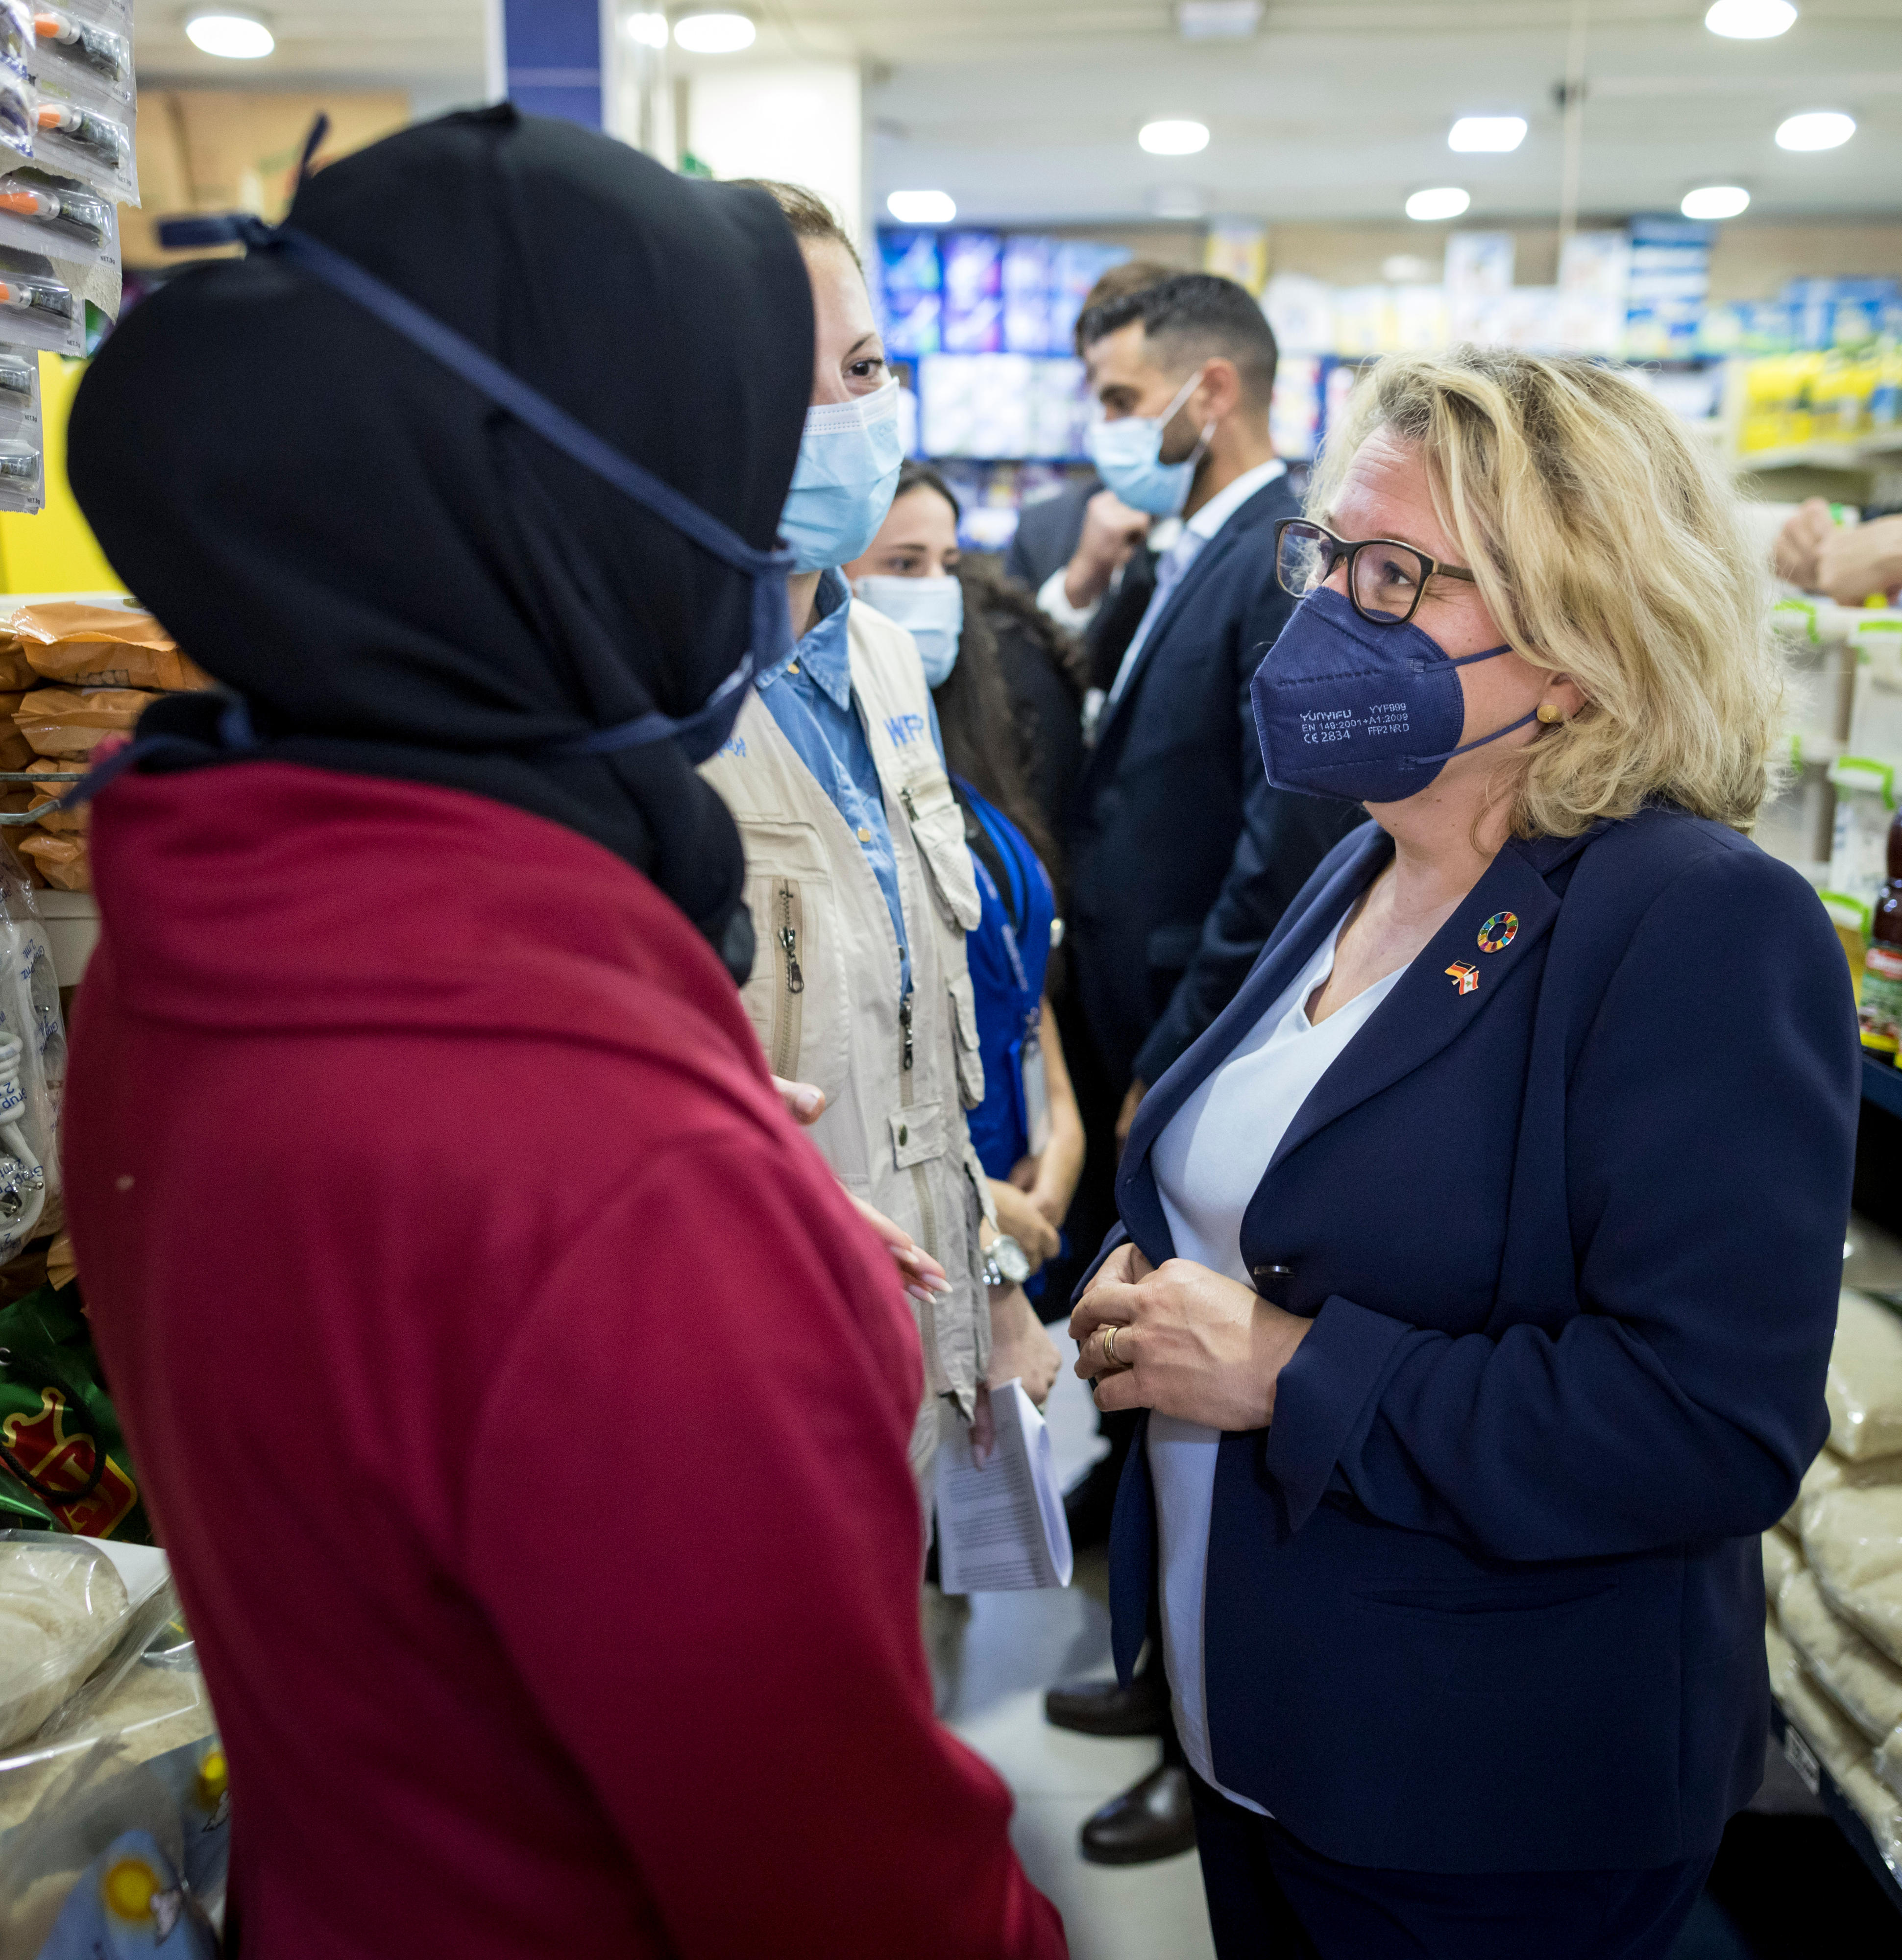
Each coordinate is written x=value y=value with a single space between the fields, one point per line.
x=1027 y=110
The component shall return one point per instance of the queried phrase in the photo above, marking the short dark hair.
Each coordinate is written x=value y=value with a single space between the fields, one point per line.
x=1128 y=275
x=1196 y=315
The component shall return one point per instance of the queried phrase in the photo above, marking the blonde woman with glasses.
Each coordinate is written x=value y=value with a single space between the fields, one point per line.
x=1478 y=1268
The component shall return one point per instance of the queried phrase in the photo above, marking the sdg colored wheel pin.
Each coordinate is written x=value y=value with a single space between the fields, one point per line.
x=1499 y=932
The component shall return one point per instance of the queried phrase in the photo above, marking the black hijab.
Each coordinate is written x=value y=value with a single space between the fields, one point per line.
x=400 y=579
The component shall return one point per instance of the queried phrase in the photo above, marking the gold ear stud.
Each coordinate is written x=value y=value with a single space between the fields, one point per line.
x=1548 y=714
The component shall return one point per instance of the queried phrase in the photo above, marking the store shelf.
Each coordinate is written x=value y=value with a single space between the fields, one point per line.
x=72 y=920
x=1804 y=1760
x=1864 y=455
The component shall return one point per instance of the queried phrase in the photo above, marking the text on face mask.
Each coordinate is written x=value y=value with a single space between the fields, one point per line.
x=1339 y=724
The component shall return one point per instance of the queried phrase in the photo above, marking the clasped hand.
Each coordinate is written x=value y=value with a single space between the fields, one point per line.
x=1188 y=1341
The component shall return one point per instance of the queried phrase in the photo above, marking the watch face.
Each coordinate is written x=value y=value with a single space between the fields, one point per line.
x=1008 y=1256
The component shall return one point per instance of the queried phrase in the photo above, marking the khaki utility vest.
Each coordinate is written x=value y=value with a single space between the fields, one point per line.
x=824 y=997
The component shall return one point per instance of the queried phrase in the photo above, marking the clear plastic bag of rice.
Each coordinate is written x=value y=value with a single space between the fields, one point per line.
x=62 y=1605
x=1864 y=1385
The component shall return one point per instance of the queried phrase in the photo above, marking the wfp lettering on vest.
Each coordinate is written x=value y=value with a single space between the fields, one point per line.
x=903 y=728
x=734 y=745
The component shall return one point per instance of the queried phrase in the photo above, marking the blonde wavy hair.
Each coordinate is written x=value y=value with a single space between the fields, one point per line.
x=1608 y=546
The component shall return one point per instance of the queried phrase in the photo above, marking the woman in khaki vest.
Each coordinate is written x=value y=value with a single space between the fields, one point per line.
x=859 y=884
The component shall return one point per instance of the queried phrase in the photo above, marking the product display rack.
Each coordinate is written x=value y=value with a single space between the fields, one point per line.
x=1804 y=1761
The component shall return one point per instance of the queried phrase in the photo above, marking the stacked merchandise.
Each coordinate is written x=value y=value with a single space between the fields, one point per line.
x=1832 y=1571
x=67 y=125
x=114 y=1811
x=71 y=675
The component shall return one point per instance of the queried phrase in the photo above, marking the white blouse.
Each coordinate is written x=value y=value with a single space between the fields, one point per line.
x=1207 y=1163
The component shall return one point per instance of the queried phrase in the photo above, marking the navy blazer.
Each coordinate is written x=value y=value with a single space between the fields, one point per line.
x=1181 y=857
x=1487 y=1595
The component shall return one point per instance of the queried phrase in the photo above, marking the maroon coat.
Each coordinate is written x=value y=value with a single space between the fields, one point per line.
x=523 y=1406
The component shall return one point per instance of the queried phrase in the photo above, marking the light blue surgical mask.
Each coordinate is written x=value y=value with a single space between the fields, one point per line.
x=849 y=468
x=931 y=609
x=1128 y=456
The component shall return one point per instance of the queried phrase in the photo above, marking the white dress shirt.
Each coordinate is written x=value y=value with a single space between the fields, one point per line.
x=1197 y=532
x=1208 y=1162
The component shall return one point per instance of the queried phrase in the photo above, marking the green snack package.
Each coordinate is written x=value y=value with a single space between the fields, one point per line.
x=63 y=1462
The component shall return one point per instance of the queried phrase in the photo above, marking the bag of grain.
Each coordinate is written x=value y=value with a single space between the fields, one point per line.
x=65 y=863
x=102 y=645
x=1863 y=1387
x=1782 y=1555
x=1840 y=1748
x=1852 y=1542
x=66 y=721
x=1866 y=1685
x=61 y=1605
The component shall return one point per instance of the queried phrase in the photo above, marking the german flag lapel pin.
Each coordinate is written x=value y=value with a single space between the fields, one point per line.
x=1465 y=978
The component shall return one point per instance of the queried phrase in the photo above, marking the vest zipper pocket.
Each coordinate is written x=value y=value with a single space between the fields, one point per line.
x=788 y=919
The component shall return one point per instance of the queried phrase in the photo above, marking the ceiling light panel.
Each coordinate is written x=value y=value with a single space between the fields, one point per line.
x=1487 y=132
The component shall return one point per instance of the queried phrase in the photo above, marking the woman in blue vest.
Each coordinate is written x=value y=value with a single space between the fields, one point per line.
x=1478 y=1266
x=1027 y=1132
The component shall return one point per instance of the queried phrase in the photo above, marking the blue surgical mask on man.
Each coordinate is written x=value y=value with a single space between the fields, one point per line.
x=931 y=609
x=1345 y=708
x=1128 y=456
x=849 y=459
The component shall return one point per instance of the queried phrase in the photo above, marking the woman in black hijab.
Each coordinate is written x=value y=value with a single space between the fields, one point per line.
x=524 y=1409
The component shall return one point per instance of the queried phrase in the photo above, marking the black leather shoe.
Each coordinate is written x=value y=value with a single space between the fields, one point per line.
x=1106 y=1708
x=1153 y=1819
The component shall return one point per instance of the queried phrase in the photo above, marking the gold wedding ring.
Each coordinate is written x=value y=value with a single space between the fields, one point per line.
x=1109 y=1345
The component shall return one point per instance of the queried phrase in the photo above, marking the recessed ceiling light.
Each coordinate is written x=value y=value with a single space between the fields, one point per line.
x=1715 y=201
x=921 y=207
x=1750 y=20
x=234 y=37
x=1487 y=132
x=1445 y=203
x=647 y=30
x=1217 y=20
x=1816 y=129
x=1173 y=138
x=713 y=33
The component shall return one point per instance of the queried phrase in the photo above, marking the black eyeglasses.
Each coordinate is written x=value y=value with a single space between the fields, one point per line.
x=1386 y=580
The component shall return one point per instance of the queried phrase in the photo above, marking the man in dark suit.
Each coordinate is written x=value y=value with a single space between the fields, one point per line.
x=1182 y=858
x=1051 y=536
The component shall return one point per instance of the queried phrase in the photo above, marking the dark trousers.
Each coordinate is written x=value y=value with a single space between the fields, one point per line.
x=1271 y=1898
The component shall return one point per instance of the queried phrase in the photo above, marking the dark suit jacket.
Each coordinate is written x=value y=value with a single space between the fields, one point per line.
x=1046 y=533
x=1488 y=1596
x=1182 y=858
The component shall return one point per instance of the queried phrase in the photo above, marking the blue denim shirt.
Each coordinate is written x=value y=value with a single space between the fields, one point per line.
x=809 y=693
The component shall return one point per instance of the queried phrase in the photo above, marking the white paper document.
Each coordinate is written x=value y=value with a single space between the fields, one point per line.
x=1001 y=1529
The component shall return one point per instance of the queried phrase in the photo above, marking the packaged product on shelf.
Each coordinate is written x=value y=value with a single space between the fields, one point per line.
x=63 y=1460
x=19 y=99
x=1852 y=1542
x=63 y=862
x=1831 y=1472
x=38 y=308
x=125 y=1788
x=1781 y=1555
x=74 y=137
x=1878 y=1004
x=86 y=46
x=101 y=646
x=1875 y=699
x=63 y=1604
x=45 y=803
x=71 y=721
x=1863 y=1387
x=22 y=441
x=1777 y=1651
x=1841 y=1749
x=1864 y=1683
x=41 y=212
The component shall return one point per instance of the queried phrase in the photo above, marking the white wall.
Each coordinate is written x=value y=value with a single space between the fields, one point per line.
x=799 y=121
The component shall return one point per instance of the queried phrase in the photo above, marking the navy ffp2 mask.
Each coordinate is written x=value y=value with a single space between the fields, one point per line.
x=1370 y=714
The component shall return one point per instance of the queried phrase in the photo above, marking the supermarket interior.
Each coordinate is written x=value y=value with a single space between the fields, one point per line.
x=1343 y=200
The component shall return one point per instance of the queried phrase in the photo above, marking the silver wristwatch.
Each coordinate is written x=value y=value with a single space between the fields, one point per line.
x=1004 y=1262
